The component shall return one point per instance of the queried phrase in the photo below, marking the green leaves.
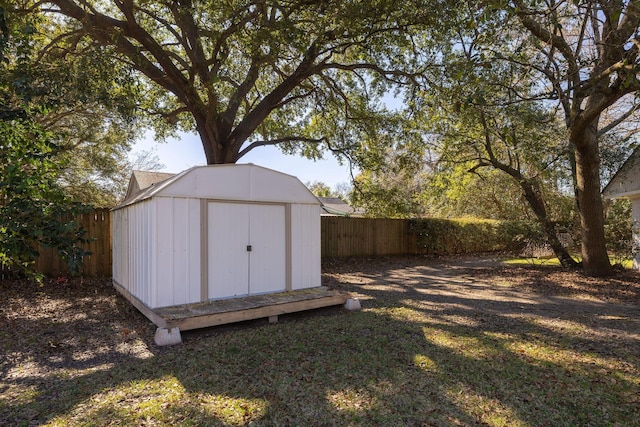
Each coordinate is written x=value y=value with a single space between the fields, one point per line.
x=34 y=211
x=245 y=74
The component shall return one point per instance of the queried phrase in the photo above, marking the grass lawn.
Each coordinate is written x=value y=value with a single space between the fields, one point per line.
x=436 y=344
x=553 y=261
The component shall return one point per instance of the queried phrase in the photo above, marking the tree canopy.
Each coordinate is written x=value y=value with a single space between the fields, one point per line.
x=247 y=73
x=53 y=103
x=577 y=57
x=74 y=90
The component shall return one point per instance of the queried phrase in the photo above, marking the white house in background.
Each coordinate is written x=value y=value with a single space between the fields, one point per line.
x=214 y=233
x=626 y=183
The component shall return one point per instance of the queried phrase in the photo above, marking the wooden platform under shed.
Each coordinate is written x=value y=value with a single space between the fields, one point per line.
x=232 y=310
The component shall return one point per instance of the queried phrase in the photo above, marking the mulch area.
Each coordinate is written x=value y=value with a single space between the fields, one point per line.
x=621 y=288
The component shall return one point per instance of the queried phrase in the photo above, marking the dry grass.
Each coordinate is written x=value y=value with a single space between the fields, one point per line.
x=445 y=343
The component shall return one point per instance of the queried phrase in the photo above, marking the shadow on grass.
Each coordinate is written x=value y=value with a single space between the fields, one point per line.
x=414 y=356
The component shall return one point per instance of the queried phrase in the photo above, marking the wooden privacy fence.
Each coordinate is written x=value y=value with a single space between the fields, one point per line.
x=97 y=225
x=340 y=237
x=348 y=236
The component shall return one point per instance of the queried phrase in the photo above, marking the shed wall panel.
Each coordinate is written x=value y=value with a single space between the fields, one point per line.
x=141 y=244
x=177 y=252
x=236 y=183
x=132 y=254
x=205 y=183
x=278 y=187
x=194 y=259
x=180 y=252
x=626 y=182
x=163 y=287
x=305 y=246
x=133 y=240
x=119 y=236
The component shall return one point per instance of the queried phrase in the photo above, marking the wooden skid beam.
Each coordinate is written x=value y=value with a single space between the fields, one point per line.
x=149 y=313
x=221 y=312
x=215 y=319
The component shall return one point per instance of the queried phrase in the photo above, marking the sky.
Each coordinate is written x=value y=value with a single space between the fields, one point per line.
x=185 y=151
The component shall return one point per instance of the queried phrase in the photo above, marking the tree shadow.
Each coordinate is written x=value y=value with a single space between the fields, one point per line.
x=413 y=356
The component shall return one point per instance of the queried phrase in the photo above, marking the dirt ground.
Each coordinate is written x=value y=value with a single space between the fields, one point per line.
x=79 y=325
x=486 y=286
x=83 y=322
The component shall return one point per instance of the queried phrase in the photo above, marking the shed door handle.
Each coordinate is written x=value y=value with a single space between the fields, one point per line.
x=248 y=248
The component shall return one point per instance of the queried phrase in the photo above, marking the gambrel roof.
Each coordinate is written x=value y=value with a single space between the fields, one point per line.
x=234 y=182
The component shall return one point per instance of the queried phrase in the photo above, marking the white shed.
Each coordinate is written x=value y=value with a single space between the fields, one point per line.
x=214 y=233
x=626 y=184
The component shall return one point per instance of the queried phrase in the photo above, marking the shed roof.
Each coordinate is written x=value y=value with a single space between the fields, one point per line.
x=626 y=182
x=234 y=182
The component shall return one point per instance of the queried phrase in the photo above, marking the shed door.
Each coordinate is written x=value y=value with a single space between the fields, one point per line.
x=246 y=249
x=267 y=256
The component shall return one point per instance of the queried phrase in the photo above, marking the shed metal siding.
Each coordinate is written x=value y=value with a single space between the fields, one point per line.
x=305 y=246
x=163 y=235
x=219 y=182
x=230 y=182
x=177 y=252
x=626 y=182
x=227 y=249
x=140 y=229
x=120 y=246
x=134 y=241
x=267 y=234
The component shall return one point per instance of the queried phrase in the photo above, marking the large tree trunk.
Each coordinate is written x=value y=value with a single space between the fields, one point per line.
x=217 y=148
x=534 y=197
x=595 y=259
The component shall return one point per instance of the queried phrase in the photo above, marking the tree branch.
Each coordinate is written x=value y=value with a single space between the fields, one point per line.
x=618 y=120
x=277 y=141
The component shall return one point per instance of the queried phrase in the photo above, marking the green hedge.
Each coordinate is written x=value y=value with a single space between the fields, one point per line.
x=459 y=236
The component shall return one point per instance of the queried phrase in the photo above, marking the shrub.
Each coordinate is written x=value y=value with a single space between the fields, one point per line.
x=457 y=236
x=618 y=230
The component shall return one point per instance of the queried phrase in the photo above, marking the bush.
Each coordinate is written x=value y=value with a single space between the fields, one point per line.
x=458 y=236
x=618 y=230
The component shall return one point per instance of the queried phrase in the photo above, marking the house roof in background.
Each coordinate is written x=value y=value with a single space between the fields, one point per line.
x=144 y=179
x=626 y=182
x=337 y=206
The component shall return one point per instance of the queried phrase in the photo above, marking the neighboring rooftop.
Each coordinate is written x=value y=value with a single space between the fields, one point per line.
x=337 y=207
x=144 y=179
x=626 y=182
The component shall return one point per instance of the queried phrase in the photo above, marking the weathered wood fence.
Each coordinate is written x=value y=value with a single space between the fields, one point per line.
x=98 y=230
x=340 y=237
x=347 y=236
